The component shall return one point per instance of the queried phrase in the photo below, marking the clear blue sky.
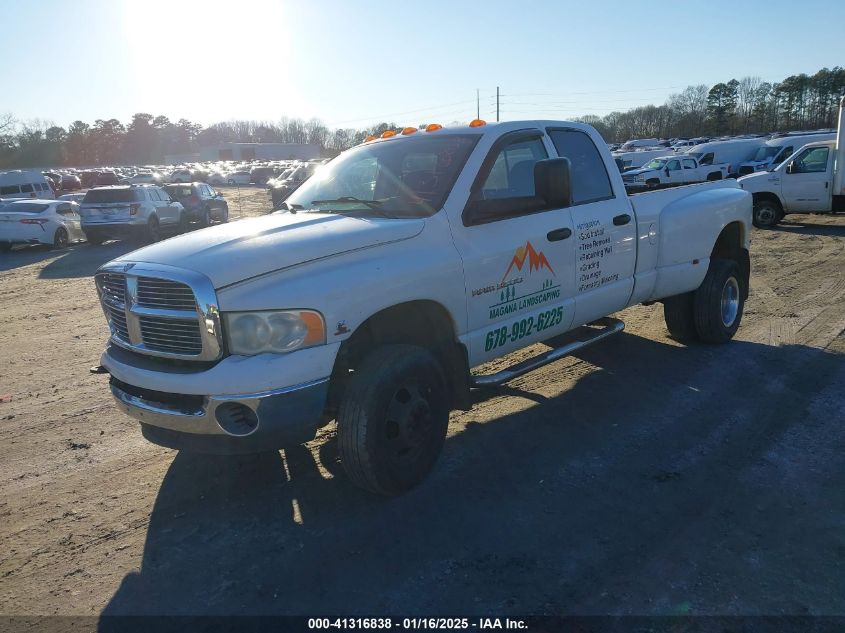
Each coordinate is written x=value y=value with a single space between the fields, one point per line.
x=355 y=63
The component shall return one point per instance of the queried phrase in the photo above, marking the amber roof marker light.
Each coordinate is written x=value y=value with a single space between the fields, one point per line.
x=477 y=123
x=388 y=134
x=409 y=130
x=433 y=127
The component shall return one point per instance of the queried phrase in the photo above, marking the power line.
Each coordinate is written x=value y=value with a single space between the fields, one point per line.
x=393 y=114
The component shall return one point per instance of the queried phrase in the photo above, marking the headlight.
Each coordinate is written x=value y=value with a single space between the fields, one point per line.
x=279 y=332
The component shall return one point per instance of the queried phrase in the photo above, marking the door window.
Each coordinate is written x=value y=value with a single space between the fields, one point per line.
x=504 y=187
x=674 y=165
x=588 y=177
x=512 y=173
x=813 y=160
x=26 y=188
x=689 y=163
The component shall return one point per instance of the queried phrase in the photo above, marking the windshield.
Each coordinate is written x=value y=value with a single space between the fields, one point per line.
x=765 y=153
x=657 y=163
x=405 y=177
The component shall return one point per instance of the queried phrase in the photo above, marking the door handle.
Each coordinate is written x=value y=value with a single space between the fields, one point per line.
x=558 y=234
x=621 y=220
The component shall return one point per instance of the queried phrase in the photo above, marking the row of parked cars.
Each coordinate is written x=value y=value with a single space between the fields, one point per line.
x=647 y=166
x=143 y=212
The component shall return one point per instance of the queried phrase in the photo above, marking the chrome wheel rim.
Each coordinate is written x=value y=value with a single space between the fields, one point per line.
x=730 y=302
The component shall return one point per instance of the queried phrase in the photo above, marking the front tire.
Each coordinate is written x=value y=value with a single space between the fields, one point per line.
x=61 y=238
x=153 y=230
x=766 y=214
x=719 y=302
x=393 y=419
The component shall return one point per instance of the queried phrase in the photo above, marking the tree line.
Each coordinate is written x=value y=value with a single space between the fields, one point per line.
x=747 y=105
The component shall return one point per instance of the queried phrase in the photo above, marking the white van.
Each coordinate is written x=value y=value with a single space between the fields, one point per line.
x=734 y=152
x=25 y=184
x=777 y=150
x=633 y=144
x=633 y=160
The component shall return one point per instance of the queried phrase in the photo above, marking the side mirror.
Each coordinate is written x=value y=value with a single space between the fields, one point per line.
x=552 y=182
x=667 y=172
x=790 y=168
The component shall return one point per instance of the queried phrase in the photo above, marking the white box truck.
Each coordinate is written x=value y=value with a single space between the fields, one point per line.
x=810 y=181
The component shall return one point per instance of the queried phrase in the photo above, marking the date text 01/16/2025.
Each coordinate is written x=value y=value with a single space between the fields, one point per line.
x=521 y=329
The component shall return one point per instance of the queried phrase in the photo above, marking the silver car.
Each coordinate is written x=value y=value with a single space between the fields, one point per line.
x=145 y=212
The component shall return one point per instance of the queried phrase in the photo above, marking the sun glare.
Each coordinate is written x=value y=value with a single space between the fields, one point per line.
x=218 y=41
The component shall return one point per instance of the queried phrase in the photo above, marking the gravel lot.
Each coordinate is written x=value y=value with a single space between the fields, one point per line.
x=641 y=476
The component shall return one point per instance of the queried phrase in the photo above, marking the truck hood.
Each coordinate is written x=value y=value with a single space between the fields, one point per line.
x=758 y=181
x=638 y=172
x=229 y=253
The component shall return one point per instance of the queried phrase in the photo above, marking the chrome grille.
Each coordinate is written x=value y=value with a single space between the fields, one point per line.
x=173 y=316
x=165 y=294
x=113 y=287
x=171 y=335
x=117 y=322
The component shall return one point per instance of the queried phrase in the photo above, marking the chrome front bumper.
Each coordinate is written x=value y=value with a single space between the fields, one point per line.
x=246 y=423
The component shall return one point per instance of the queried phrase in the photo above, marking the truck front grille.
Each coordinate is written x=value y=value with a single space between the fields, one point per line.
x=170 y=335
x=163 y=317
x=165 y=294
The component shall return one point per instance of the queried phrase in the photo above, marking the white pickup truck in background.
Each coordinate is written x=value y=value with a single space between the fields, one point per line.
x=673 y=170
x=394 y=271
x=812 y=180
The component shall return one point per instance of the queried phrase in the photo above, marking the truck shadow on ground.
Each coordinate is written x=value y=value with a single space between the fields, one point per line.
x=797 y=224
x=654 y=481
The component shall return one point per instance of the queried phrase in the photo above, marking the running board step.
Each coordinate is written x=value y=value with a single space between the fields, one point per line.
x=608 y=327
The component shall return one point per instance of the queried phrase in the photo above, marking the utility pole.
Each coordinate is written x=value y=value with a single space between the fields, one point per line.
x=497 y=104
x=477 y=104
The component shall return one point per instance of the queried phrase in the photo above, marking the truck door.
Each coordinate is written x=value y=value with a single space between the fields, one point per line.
x=518 y=255
x=691 y=173
x=604 y=248
x=806 y=183
x=675 y=173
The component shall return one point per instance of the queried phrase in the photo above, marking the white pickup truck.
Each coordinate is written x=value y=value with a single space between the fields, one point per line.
x=810 y=181
x=672 y=170
x=394 y=271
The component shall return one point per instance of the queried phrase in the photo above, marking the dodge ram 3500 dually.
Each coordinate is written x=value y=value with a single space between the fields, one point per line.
x=394 y=271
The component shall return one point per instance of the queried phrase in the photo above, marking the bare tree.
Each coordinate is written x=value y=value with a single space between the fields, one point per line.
x=747 y=96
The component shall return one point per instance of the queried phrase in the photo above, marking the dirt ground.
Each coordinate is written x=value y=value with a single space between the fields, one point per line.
x=639 y=477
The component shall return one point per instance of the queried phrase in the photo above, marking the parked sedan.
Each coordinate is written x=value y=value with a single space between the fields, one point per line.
x=202 y=203
x=53 y=222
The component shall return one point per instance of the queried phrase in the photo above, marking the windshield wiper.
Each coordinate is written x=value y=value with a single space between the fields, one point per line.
x=370 y=203
x=293 y=208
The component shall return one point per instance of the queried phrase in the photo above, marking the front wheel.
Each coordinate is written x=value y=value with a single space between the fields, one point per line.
x=766 y=214
x=393 y=418
x=719 y=301
x=205 y=218
x=60 y=239
x=224 y=215
x=153 y=229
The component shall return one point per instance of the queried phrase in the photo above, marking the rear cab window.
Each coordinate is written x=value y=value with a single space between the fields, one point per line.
x=589 y=179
